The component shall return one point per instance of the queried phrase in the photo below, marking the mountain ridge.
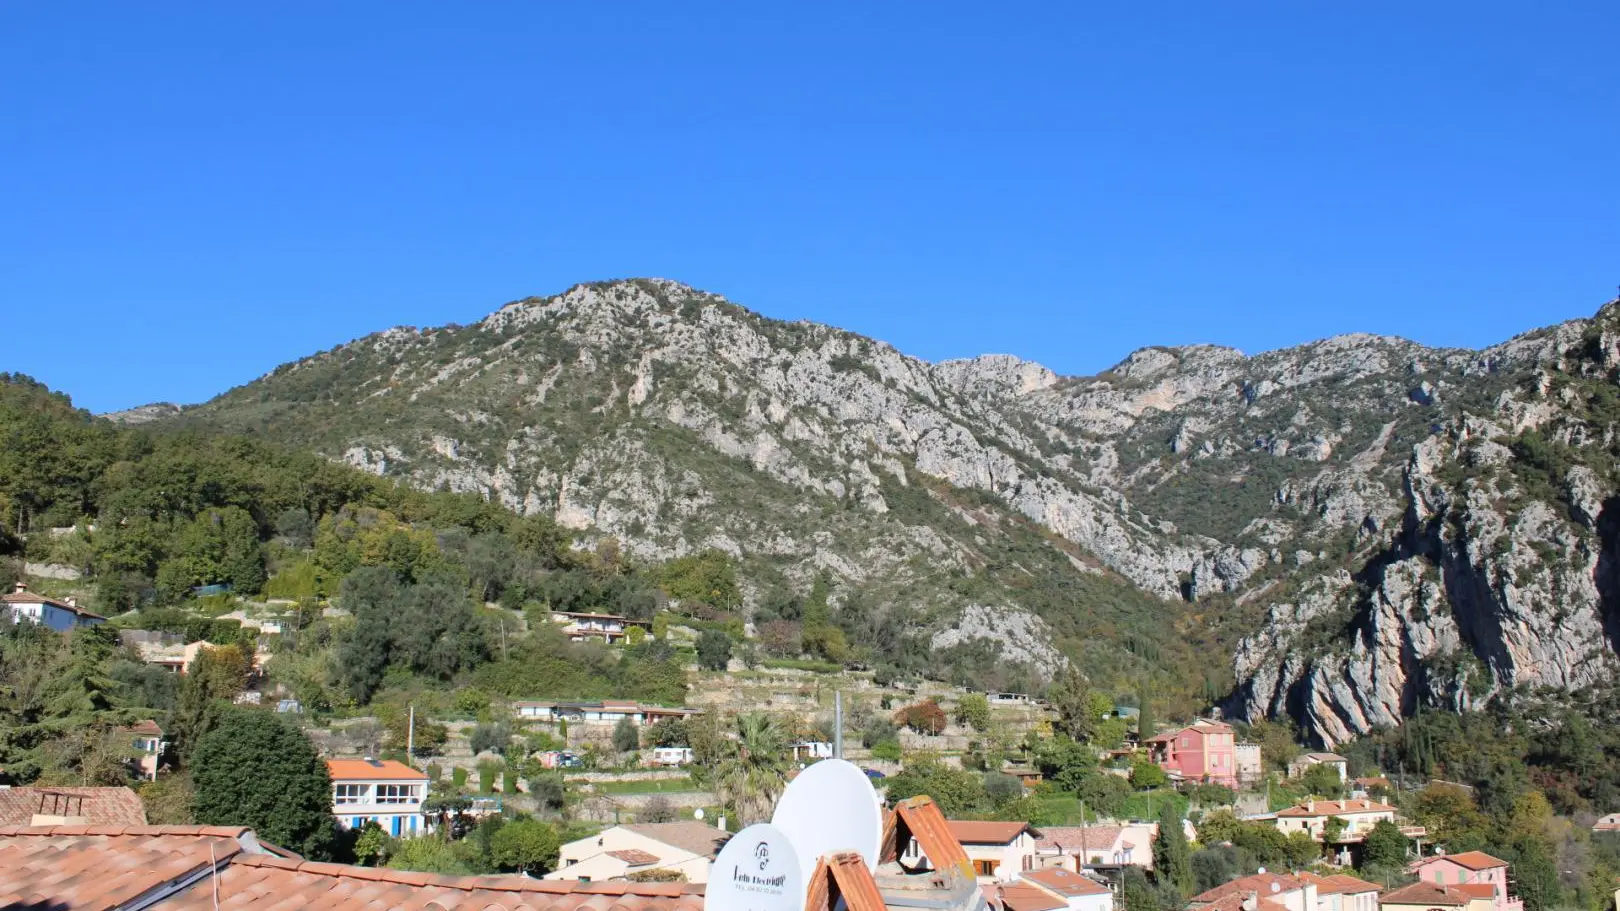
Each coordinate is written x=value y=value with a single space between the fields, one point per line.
x=677 y=420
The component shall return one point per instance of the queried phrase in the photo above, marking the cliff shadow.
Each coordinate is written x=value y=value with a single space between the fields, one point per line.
x=1608 y=570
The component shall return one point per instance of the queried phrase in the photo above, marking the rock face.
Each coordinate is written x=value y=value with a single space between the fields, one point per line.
x=1378 y=523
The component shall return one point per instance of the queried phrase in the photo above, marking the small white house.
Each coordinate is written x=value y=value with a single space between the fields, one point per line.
x=1303 y=762
x=1358 y=816
x=21 y=605
x=607 y=712
x=999 y=851
x=383 y=791
x=1077 y=892
x=609 y=628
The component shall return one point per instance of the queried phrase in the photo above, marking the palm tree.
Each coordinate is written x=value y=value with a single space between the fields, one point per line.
x=754 y=770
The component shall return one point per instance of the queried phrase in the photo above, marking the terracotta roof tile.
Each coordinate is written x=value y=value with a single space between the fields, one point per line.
x=1473 y=860
x=1336 y=808
x=634 y=857
x=1065 y=883
x=920 y=818
x=1427 y=894
x=977 y=832
x=1262 y=884
x=1072 y=838
x=843 y=876
x=372 y=770
x=86 y=868
x=1028 y=898
x=100 y=806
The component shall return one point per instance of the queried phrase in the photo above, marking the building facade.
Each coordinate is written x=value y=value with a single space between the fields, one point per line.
x=1470 y=868
x=1203 y=751
x=22 y=605
x=382 y=791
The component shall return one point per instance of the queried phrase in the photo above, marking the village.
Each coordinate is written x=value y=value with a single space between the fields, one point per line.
x=1201 y=804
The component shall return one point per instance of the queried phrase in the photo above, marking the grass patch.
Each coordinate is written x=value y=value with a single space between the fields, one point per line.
x=647 y=786
x=802 y=664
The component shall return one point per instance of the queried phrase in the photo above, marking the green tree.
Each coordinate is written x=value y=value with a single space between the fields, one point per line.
x=1071 y=698
x=973 y=710
x=1146 y=776
x=371 y=845
x=714 y=650
x=1386 y=848
x=626 y=738
x=750 y=775
x=1322 y=780
x=429 y=854
x=706 y=578
x=255 y=769
x=668 y=732
x=1002 y=789
x=211 y=683
x=957 y=791
x=1172 y=859
x=525 y=845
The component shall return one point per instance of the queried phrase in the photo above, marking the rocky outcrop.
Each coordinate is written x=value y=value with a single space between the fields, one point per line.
x=1366 y=493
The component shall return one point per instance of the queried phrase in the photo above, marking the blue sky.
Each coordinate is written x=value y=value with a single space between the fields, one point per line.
x=192 y=194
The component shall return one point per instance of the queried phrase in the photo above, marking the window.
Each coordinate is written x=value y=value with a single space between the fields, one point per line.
x=349 y=793
x=396 y=793
x=985 y=867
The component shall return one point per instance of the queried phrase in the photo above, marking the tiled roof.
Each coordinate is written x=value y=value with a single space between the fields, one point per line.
x=1473 y=860
x=634 y=857
x=1326 y=757
x=67 y=868
x=1073 y=838
x=1337 y=884
x=974 y=832
x=1064 y=883
x=843 y=876
x=1234 y=902
x=372 y=769
x=1261 y=884
x=80 y=868
x=148 y=728
x=700 y=839
x=25 y=597
x=1336 y=808
x=261 y=881
x=1028 y=898
x=1427 y=894
x=920 y=818
x=98 y=806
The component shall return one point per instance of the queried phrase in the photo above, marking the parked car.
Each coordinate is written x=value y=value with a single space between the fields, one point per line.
x=874 y=774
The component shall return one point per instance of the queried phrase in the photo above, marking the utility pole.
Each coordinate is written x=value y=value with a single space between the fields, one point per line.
x=1084 y=850
x=838 y=724
x=410 y=735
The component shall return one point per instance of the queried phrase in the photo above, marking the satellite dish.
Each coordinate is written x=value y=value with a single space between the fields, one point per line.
x=830 y=807
x=698 y=813
x=757 y=870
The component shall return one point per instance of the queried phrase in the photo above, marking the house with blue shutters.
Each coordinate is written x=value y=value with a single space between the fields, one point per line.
x=383 y=791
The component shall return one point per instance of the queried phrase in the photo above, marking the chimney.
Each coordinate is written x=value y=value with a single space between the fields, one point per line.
x=21 y=586
x=1251 y=901
x=72 y=602
x=1310 y=805
x=720 y=822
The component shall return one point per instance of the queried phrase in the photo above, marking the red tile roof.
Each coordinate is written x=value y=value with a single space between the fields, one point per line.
x=698 y=838
x=920 y=818
x=1336 y=808
x=1337 y=884
x=98 y=806
x=1066 y=884
x=635 y=857
x=1429 y=895
x=842 y=876
x=1473 y=860
x=1262 y=884
x=1029 y=898
x=974 y=832
x=1234 y=902
x=149 y=728
x=69 y=868
x=372 y=769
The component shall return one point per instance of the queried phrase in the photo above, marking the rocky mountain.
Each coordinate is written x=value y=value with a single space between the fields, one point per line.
x=1352 y=527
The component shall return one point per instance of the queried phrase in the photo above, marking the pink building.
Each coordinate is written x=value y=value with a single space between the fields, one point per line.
x=1201 y=751
x=1470 y=868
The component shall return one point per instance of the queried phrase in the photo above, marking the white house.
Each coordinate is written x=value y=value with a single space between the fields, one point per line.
x=999 y=851
x=383 y=791
x=149 y=742
x=21 y=604
x=1304 y=761
x=1358 y=815
x=1077 y=892
x=620 y=851
x=609 y=628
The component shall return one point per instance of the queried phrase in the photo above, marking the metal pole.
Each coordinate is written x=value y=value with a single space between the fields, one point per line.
x=410 y=735
x=838 y=724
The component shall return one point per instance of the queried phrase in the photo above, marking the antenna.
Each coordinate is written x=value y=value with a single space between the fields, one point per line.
x=838 y=724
